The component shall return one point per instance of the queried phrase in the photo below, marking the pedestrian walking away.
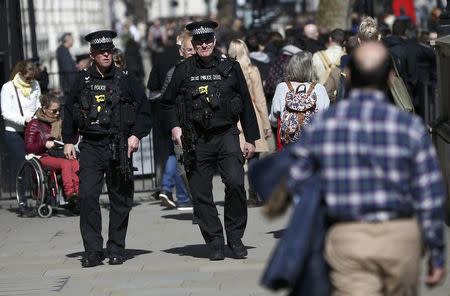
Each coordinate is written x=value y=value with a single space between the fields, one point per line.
x=202 y=105
x=110 y=110
x=382 y=184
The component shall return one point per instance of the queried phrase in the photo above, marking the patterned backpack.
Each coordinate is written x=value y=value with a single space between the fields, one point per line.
x=298 y=111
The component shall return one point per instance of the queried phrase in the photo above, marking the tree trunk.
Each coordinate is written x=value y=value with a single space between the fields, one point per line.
x=333 y=14
x=225 y=12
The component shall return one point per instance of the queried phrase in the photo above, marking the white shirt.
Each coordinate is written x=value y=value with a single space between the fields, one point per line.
x=14 y=121
x=278 y=102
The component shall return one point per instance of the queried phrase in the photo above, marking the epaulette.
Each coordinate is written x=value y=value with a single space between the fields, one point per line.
x=225 y=65
x=179 y=62
x=86 y=75
x=188 y=64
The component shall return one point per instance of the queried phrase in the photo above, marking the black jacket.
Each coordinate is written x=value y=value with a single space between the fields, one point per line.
x=128 y=87
x=67 y=68
x=161 y=65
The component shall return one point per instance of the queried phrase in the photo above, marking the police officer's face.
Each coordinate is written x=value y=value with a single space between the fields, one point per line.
x=204 y=48
x=102 y=58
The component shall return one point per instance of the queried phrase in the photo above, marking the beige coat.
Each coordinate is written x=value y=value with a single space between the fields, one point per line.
x=255 y=87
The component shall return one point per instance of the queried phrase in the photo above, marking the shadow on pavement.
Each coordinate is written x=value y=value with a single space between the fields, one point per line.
x=276 y=233
x=198 y=251
x=106 y=205
x=60 y=212
x=128 y=253
x=182 y=216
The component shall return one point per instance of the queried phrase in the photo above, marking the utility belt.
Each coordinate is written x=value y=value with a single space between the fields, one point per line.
x=109 y=142
x=99 y=139
x=206 y=135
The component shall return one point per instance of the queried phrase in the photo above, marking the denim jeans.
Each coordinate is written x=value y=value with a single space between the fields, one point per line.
x=172 y=178
x=16 y=155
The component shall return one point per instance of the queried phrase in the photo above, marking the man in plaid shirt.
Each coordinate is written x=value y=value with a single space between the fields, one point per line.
x=382 y=185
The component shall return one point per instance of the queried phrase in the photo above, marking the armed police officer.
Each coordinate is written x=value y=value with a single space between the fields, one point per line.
x=110 y=110
x=202 y=105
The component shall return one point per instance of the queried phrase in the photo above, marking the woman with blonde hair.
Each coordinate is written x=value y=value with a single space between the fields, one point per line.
x=368 y=30
x=19 y=102
x=238 y=50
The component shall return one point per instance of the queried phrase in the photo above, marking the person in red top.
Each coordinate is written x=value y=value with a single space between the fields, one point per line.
x=404 y=7
x=42 y=138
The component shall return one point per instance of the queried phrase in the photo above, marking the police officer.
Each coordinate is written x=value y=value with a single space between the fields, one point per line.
x=215 y=96
x=110 y=110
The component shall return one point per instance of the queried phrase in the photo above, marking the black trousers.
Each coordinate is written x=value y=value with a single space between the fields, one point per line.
x=223 y=153
x=95 y=161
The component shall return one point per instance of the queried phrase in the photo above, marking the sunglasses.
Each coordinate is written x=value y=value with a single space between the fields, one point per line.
x=102 y=51
x=54 y=111
x=200 y=42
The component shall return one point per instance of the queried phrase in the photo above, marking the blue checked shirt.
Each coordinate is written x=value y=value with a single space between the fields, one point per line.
x=377 y=163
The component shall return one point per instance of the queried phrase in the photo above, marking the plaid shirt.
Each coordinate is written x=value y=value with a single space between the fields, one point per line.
x=377 y=163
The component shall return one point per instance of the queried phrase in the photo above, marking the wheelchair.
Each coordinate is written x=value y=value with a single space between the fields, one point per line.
x=39 y=190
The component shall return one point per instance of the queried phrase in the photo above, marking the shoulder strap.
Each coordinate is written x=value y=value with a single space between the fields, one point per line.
x=225 y=66
x=394 y=64
x=311 y=88
x=325 y=60
x=18 y=100
x=289 y=84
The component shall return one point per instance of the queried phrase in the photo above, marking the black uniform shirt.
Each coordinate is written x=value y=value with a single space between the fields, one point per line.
x=180 y=78
x=129 y=87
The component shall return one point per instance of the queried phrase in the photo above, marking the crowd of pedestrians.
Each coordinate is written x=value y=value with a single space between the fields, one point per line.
x=320 y=95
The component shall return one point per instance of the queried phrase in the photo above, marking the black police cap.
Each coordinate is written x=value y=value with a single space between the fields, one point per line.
x=202 y=30
x=101 y=40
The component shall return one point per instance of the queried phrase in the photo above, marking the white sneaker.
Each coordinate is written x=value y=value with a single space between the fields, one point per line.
x=167 y=200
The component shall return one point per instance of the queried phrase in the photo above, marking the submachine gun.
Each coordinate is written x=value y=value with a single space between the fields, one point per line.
x=126 y=117
x=189 y=137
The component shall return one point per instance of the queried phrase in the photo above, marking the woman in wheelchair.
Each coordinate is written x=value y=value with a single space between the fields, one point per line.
x=43 y=138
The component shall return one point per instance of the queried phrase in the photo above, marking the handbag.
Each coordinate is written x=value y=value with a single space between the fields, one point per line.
x=399 y=92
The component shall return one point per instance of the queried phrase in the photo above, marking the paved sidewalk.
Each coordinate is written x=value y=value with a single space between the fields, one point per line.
x=165 y=252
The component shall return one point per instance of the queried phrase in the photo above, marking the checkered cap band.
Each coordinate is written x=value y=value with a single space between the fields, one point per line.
x=102 y=40
x=202 y=30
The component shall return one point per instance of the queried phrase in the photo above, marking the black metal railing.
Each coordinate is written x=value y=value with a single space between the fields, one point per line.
x=144 y=159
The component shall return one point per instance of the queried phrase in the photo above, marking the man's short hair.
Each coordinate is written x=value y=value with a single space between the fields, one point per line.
x=338 y=36
x=64 y=36
x=252 y=43
x=399 y=27
x=376 y=76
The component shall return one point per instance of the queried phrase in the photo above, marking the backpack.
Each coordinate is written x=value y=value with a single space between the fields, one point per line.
x=298 y=111
x=329 y=66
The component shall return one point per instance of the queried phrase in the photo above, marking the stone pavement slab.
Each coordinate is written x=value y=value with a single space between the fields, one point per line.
x=165 y=255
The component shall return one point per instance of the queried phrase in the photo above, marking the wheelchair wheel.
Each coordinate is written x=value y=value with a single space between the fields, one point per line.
x=30 y=186
x=44 y=211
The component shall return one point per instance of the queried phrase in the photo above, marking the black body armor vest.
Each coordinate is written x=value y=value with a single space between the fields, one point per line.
x=102 y=108
x=212 y=101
